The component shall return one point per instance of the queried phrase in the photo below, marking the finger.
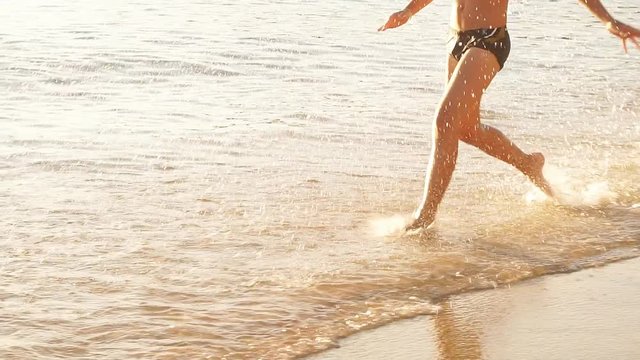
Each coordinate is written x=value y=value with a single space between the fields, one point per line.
x=635 y=42
x=390 y=25
x=624 y=45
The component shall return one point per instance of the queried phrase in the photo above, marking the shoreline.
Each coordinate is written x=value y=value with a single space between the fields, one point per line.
x=589 y=314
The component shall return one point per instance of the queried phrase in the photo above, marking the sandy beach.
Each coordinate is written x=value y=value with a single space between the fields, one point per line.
x=590 y=314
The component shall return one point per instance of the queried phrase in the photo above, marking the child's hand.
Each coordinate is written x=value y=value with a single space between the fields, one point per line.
x=396 y=20
x=624 y=32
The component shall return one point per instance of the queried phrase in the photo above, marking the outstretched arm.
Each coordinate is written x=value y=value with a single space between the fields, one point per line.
x=403 y=16
x=623 y=31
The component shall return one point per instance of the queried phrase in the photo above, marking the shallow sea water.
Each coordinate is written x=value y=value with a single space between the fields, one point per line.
x=221 y=180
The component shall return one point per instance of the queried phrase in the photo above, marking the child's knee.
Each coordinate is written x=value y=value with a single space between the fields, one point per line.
x=451 y=117
x=469 y=133
x=446 y=122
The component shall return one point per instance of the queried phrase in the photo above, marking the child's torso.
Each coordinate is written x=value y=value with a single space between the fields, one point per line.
x=478 y=14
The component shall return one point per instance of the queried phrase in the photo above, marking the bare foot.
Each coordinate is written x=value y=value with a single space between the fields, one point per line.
x=421 y=223
x=533 y=170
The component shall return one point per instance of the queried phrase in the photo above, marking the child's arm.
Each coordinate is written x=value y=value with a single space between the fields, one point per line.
x=617 y=28
x=403 y=16
x=416 y=5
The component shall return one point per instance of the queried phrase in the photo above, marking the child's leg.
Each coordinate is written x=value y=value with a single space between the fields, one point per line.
x=493 y=142
x=459 y=110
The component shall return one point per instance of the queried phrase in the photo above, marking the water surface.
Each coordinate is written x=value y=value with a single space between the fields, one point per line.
x=202 y=179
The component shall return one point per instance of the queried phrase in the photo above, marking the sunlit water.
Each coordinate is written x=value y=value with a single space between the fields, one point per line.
x=214 y=179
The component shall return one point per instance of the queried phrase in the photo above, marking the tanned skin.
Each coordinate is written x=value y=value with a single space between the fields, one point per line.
x=458 y=115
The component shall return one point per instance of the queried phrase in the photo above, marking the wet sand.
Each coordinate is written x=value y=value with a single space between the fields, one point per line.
x=590 y=314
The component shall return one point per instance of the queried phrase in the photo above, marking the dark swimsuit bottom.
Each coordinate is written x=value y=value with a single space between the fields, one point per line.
x=494 y=40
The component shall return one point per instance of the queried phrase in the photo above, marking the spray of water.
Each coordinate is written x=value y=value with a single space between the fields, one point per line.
x=386 y=226
x=569 y=191
x=573 y=192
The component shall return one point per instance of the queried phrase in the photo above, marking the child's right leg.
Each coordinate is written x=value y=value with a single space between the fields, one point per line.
x=493 y=142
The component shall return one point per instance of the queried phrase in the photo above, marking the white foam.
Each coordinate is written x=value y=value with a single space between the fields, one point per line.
x=574 y=192
x=385 y=226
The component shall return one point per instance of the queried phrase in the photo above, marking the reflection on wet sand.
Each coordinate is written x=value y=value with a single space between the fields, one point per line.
x=590 y=314
x=457 y=337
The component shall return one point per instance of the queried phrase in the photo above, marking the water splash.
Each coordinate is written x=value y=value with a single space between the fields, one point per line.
x=573 y=192
x=386 y=226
